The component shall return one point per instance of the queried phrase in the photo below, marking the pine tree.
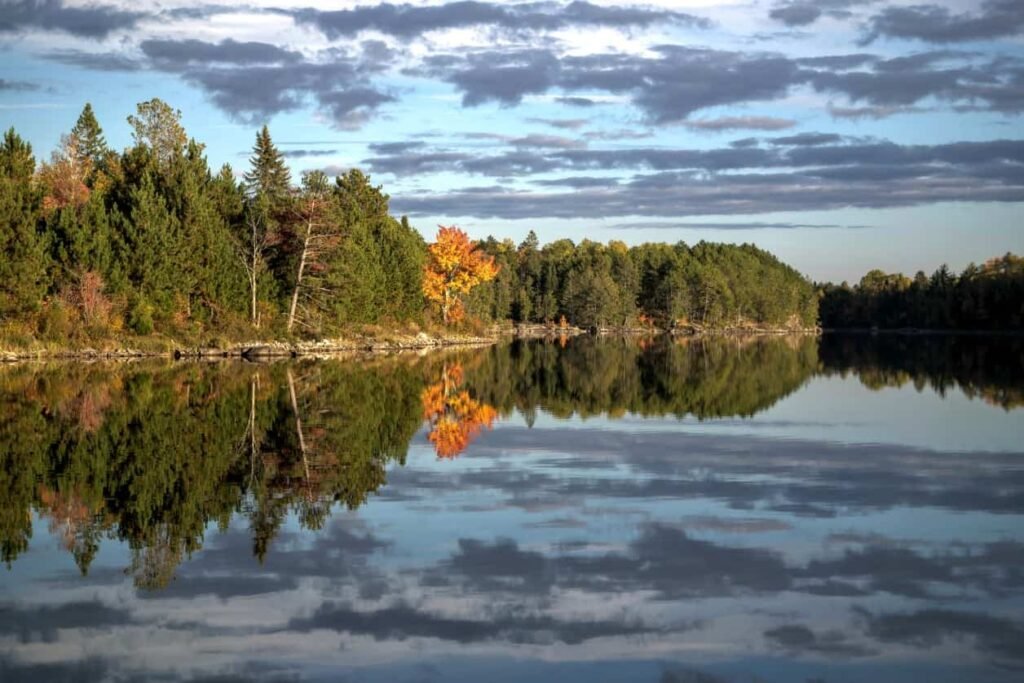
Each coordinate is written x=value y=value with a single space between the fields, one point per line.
x=91 y=143
x=268 y=173
x=23 y=262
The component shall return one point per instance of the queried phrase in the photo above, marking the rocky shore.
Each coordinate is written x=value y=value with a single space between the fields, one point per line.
x=258 y=350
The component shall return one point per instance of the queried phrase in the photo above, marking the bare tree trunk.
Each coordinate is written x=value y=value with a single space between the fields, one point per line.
x=298 y=423
x=253 y=272
x=298 y=279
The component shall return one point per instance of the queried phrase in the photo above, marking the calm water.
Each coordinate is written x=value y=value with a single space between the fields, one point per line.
x=772 y=510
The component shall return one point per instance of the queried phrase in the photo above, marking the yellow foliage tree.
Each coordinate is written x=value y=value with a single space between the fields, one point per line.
x=455 y=417
x=454 y=266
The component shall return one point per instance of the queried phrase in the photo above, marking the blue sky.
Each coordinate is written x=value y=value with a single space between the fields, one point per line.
x=840 y=134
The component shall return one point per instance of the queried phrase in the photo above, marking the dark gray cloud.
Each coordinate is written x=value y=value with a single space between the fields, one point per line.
x=805 y=12
x=538 y=141
x=87 y=670
x=676 y=81
x=870 y=112
x=929 y=628
x=801 y=640
x=88 y=21
x=41 y=622
x=796 y=477
x=740 y=123
x=177 y=53
x=734 y=180
x=807 y=139
x=17 y=86
x=577 y=101
x=253 y=81
x=578 y=182
x=408 y=20
x=95 y=61
x=403 y=621
x=395 y=148
x=796 y=13
x=937 y=24
x=299 y=153
x=566 y=124
x=663 y=559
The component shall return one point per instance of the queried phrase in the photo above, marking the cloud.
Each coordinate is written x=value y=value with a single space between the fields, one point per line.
x=794 y=13
x=17 y=86
x=537 y=141
x=578 y=182
x=177 y=53
x=401 y=621
x=675 y=81
x=745 y=180
x=807 y=139
x=567 y=124
x=94 y=61
x=740 y=123
x=41 y=622
x=395 y=148
x=800 y=640
x=870 y=112
x=406 y=20
x=253 y=81
x=936 y=24
x=577 y=101
x=298 y=153
x=929 y=628
x=86 y=21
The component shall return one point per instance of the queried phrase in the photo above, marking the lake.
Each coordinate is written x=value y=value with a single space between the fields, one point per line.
x=770 y=509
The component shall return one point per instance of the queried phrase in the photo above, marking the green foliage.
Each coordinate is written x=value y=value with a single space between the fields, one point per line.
x=986 y=297
x=23 y=259
x=267 y=175
x=91 y=143
x=596 y=285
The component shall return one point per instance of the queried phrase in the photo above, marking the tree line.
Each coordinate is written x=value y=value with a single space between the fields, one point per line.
x=985 y=297
x=95 y=243
x=612 y=285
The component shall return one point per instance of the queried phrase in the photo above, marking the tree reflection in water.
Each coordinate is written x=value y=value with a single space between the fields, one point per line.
x=454 y=417
x=151 y=453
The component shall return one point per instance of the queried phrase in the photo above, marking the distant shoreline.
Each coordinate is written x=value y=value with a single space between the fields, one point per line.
x=921 y=332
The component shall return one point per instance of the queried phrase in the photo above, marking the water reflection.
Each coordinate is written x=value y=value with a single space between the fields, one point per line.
x=211 y=521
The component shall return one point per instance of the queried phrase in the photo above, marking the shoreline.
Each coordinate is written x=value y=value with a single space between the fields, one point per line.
x=920 y=332
x=325 y=348
x=260 y=350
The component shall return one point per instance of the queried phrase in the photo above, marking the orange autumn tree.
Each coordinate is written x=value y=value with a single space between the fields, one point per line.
x=455 y=417
x=455 y=265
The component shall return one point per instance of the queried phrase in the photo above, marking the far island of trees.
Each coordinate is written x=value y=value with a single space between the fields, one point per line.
x=99 y=246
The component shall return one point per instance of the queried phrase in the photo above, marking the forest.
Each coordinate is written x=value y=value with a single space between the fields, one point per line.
x=989 y=297
x=98 y=245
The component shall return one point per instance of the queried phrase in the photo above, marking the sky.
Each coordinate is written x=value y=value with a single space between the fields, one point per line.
x=842 y=135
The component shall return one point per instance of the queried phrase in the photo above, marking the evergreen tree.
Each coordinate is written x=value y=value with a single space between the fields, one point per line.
x=23 y=261
x=91 y=143
x=267 y=172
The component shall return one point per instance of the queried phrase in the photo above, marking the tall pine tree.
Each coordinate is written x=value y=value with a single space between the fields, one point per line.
x=268 y=174
x=91 y=143
x=23 y=262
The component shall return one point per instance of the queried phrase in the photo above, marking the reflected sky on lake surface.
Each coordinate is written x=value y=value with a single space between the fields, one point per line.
x=775 y=509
